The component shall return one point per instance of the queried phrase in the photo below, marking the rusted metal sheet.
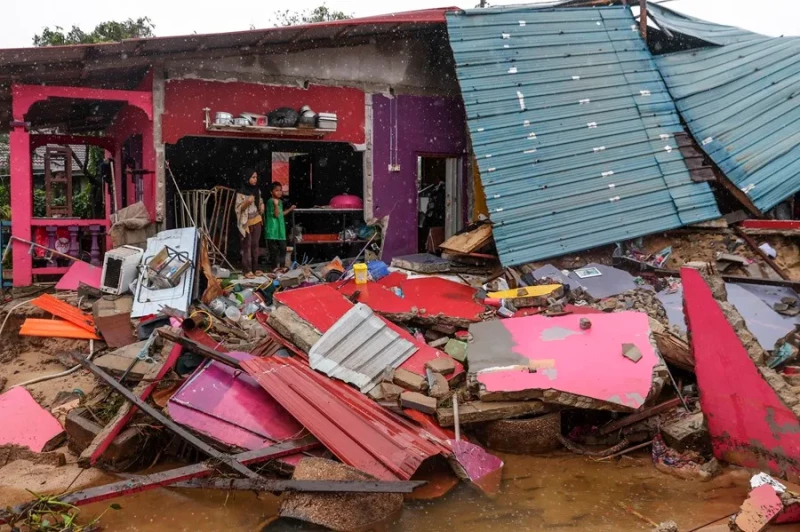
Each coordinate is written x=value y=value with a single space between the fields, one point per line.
x=65 y=311
x=354 y=428
x=749 y=424
x=55 y=329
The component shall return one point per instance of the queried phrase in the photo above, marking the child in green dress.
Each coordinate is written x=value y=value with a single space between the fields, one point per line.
x=275 y=228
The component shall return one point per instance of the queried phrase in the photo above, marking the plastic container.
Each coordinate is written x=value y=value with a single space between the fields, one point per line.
x=233 y=313
x=361 y=273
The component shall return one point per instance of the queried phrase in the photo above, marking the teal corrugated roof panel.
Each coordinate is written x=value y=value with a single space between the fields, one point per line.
x=674 y=22
x=573 y=130
x=741 y=103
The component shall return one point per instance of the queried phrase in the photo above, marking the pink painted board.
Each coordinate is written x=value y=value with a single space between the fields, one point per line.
x=586 y=363
x=231 y=407
x=23 y=422
x=322 y=306
x=759 y=509
x=749 y=424
x=80 y=272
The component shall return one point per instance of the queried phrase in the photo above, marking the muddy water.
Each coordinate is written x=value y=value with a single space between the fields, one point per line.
x=556 y=492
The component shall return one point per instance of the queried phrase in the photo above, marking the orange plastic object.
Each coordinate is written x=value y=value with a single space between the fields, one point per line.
x=65 y=311
x=55 y=329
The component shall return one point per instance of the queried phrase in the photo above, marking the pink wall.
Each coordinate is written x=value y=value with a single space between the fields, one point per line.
x=131 y=121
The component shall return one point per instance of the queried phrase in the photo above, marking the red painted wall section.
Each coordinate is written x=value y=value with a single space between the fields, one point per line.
x=132 y=121
x=185 y=99
x=749 y=424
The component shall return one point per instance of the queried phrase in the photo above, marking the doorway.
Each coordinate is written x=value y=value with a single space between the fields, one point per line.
x=440 y=199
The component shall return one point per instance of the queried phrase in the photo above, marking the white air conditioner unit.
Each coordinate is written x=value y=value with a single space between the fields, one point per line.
x=120 y=268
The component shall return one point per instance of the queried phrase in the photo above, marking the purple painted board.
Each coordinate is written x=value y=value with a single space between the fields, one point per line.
x=231 y=407
x=416 y=125
x=567 y=359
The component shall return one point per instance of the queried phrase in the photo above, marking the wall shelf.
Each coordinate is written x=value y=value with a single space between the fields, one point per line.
x=270 y=131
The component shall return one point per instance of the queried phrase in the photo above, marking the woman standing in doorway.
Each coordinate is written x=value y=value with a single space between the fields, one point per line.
x=249 y=208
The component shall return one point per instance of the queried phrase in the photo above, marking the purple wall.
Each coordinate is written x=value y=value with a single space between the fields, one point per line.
x=425 y=125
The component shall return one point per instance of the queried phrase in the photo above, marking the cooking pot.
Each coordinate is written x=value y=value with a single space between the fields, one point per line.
x=346 y=201
x=242 y=121
x=223 y=119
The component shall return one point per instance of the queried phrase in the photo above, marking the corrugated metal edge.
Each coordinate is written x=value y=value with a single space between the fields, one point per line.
x=343 y=352
x=358 y=431
x=65 y=311
x=55 y=329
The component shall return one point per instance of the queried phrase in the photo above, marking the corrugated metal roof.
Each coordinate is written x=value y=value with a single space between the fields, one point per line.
x=358 y=349
x=354 y=428
x=741 y=103
x=573 y=130
x=717 y=34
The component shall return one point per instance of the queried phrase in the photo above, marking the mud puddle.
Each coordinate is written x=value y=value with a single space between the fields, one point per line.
x=540 y=493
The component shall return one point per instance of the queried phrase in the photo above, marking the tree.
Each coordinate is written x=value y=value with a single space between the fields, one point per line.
x=319 y=14
x=109 y=31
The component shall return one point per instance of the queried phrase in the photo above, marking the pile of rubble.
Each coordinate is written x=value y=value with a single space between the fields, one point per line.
x=350 y=385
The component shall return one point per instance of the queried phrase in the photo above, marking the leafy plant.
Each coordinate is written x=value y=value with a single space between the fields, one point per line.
x=47 y=513
x=104 y=32
x=319 y=14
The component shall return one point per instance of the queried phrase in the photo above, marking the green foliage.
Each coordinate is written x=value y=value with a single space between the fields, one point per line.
x=319 y=14
x=104 y=32
x=5 y=201
x=48 y=514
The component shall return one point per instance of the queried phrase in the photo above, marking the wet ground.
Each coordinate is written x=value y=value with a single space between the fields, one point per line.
x=540 y=493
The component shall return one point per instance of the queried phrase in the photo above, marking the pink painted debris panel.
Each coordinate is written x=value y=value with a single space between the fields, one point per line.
x=80 y=272
x=322 y=306
x=749 y=424
x=586 y=363
x=231 y=407
x=23 y=422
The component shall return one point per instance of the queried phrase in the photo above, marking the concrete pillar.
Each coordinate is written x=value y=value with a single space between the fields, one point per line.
x=158 y=146
x=21 y=202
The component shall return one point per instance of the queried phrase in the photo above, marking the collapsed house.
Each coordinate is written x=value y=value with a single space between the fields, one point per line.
x=445 y=154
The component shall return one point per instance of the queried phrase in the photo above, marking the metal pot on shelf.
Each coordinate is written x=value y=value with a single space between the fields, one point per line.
x=223 y=119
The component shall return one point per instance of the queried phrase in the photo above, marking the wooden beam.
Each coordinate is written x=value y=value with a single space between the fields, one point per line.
x=643 y=19
x=194 y=347
x=767 y=258
x=318 y=486
x=739 y=194
x=172 y=476
x=164 y=420
x=639 y=416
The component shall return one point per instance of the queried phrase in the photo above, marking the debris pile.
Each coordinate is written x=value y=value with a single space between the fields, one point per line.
x=347 y=391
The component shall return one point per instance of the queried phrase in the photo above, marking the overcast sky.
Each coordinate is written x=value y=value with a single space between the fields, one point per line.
x=21 y=19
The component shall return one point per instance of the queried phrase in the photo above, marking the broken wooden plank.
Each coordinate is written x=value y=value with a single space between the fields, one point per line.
x=194 y=347
x=469 y=241
x=168 y=423
x=113 y=428
x=478 y=411
x=639 y=416
x=319 y=486
x=772 y=264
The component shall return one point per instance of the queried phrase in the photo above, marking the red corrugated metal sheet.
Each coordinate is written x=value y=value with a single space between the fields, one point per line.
x=355 y=429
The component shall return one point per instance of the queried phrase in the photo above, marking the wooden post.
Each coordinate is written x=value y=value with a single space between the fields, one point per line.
x=643 y=19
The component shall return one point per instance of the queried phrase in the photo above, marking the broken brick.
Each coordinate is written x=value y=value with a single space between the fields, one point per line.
x=444 y=329
x=410 y=381
x=443 y=365
x=417 y=401
x=688 y=434
x=391 y=392
x=631 y=352
x=439 y=387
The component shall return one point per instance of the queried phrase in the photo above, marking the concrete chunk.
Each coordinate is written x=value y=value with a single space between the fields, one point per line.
x=391 y=392
x=478 y=411
x=410 y=381
x=417 y=401
x=442 y=365
x=688 y=434
x=439 y=388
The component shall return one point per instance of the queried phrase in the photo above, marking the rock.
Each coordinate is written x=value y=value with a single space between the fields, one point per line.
x=585 y=324
x=667 y=526
x=442 y=365
x=410 y=381
x=440 y=388
x=688 y=434
x=457 y=349
x=417 y=401
x=337 y=511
